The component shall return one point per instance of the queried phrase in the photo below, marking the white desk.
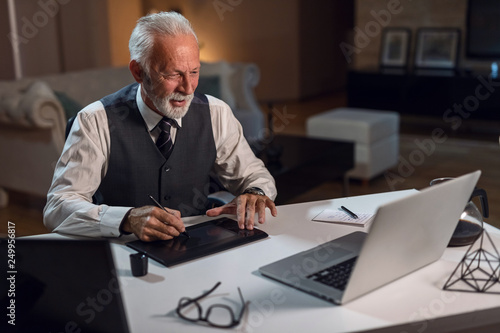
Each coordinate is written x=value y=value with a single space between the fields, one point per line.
x=415 y=303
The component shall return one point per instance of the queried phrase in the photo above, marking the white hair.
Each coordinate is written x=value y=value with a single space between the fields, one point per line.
x=148 y=27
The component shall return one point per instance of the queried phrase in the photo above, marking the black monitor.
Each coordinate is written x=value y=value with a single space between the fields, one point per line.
x=483 y=29
x=60 y=286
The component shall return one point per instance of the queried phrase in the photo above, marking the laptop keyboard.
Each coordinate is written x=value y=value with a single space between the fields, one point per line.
x=335 y=276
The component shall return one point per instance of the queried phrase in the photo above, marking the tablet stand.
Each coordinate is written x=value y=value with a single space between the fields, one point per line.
x=479 y=269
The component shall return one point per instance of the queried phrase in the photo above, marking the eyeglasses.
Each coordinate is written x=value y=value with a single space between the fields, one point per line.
x=217 y=315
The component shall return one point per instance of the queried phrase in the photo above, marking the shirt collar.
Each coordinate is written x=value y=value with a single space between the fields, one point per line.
x=150 y=117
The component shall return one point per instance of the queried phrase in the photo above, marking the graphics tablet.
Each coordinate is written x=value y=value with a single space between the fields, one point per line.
x=206 y=238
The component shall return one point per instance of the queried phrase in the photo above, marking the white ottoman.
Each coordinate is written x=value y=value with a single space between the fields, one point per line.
x=375 y=134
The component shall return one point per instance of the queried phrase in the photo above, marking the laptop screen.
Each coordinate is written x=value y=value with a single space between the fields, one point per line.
x=61 y=286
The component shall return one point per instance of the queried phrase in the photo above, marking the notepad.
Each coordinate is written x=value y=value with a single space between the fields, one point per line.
x=339 y=216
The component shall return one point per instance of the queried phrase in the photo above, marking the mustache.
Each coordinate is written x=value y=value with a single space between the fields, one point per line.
x=179 y=97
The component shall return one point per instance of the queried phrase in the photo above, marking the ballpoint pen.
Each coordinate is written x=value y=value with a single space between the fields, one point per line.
x=185 y=233
x=351 y=214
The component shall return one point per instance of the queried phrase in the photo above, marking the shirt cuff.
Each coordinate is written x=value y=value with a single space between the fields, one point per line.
x=111 y=220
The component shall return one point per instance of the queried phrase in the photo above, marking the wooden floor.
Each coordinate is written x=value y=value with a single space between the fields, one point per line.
x=475 y=145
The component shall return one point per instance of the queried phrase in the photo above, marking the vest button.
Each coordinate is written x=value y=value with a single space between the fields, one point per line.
x=167 y=169
x=167 y=197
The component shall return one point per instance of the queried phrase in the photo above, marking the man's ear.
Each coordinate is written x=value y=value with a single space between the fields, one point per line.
x=136 y=70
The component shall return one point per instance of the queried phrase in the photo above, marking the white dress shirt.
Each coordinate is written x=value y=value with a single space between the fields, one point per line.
x=84 y=162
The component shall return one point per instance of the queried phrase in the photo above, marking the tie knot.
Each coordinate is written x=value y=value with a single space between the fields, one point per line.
x=165 y=124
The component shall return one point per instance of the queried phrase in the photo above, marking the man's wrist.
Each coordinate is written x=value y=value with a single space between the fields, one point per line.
x=254 y=190
x=123 y=224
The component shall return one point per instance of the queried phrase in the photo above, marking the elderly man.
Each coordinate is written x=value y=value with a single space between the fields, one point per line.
x=155 y=137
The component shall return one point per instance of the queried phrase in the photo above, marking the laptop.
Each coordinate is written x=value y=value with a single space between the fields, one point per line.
x=405 y=235
x=61 y=286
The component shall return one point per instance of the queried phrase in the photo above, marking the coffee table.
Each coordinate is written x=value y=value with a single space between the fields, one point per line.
x=299 y=164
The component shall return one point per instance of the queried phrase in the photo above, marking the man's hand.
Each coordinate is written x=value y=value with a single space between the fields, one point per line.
x=150 y=223
x=244 y=207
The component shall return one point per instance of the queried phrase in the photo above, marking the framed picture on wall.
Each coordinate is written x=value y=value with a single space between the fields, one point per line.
x=437 y=48
x=395 y=47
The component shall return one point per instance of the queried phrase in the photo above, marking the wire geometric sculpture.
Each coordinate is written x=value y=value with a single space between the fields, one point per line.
x=479 y=270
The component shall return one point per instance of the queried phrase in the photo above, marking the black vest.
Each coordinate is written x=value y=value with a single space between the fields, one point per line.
x=137 y=169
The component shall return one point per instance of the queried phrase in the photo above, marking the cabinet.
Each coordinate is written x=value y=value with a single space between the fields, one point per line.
x=445 y=94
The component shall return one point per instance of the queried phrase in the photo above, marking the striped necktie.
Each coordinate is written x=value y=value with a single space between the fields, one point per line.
x=164 y=142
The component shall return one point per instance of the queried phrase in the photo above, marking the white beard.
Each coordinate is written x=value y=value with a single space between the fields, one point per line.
x=165 y=107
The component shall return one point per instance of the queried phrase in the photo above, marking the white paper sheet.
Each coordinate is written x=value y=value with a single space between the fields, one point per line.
x=339 y=216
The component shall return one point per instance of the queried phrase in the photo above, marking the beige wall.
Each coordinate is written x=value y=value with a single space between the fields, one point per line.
x=122 y=16
x=245 y=34
x=411 y=14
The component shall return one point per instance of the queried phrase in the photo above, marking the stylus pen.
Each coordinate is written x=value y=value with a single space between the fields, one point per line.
x=351 y=214
x=185 y=233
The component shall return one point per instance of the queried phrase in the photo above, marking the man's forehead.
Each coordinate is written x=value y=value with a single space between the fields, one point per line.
x=172 y=51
